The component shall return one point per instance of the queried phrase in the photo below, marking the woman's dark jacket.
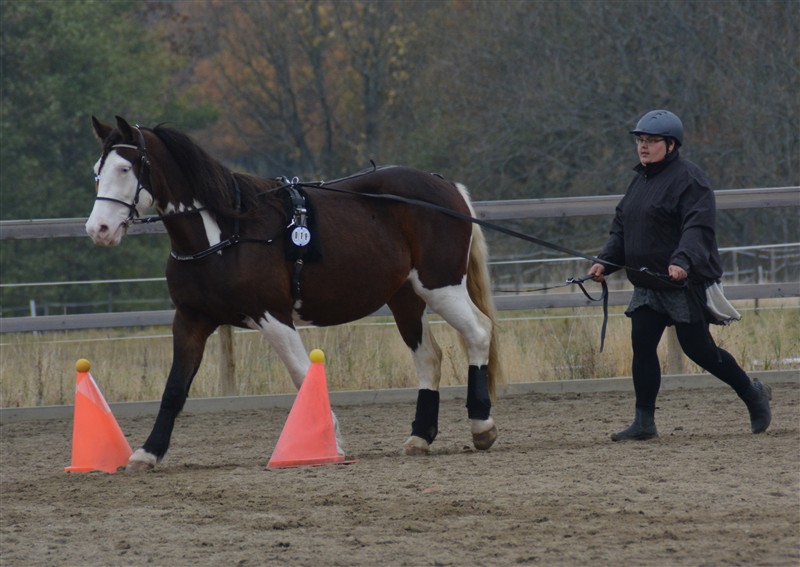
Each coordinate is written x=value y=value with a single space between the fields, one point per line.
x=667 y=216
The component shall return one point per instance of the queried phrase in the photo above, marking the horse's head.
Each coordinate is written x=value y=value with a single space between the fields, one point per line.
x=122 y=180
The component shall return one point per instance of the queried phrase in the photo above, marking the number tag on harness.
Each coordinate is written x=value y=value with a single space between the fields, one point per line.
x=301 y=236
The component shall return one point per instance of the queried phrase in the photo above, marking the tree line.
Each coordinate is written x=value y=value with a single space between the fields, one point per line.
x=515 y=99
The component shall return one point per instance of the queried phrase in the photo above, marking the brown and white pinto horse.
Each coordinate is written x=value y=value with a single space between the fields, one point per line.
x=231 y=265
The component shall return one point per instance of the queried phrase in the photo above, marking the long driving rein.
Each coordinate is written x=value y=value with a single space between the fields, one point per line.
x=492 y=226
x=293 y=184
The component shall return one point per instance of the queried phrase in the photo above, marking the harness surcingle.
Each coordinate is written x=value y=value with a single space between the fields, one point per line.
x=299 y=244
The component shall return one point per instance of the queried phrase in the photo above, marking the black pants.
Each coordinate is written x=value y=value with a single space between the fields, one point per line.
x=647 y=326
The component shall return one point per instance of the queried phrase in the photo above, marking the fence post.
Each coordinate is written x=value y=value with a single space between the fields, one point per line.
x=773 y=267
x=674 y=352
x=227 y=365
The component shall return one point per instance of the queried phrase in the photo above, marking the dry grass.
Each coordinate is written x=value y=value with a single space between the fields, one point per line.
x=536 y=346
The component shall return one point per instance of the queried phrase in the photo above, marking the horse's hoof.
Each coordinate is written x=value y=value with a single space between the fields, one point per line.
x=485 y=440
x=415 y=446
x=141 y=461
x=137 y=467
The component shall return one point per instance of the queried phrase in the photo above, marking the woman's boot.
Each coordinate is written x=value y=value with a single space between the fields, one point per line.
x=642 y=428
x=757 y=401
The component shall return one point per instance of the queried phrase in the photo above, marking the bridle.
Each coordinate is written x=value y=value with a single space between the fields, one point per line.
x=142 y=179
x=143 y=183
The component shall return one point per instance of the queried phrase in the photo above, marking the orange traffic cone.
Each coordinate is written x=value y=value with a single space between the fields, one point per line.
x=97 y=441
x=308 y=437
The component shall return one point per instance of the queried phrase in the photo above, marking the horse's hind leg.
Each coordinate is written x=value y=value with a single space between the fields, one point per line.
x=409 y=314
x=455 y=306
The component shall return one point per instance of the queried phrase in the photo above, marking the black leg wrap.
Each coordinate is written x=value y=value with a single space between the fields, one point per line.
x=479 y=405
x=426 y=421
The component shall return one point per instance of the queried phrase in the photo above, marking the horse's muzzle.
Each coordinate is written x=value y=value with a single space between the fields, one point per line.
x=103 y=235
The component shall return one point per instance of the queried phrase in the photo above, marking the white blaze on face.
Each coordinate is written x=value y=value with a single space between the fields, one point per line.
x=108 y=222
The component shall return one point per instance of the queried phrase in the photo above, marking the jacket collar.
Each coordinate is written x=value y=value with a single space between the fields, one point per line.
x=652 y=169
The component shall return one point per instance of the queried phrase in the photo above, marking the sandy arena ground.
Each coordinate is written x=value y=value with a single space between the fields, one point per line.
x=553 y=491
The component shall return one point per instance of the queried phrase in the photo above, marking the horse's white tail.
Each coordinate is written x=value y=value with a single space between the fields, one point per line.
x=480 y=291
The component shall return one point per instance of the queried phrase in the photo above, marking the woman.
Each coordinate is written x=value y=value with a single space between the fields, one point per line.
x=664 y=234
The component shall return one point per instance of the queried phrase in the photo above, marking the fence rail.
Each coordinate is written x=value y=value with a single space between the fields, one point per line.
x=515 y=302
x=485 y=210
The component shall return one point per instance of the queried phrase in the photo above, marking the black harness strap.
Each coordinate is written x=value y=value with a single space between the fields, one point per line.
x=299 y=236
x=577 y=281
x=603 y=297
x=496 y=227
x=232 y=240
x=461 y=216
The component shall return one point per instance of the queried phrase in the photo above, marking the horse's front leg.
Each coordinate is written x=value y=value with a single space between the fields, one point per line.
x=189 y=336
x=286 y=341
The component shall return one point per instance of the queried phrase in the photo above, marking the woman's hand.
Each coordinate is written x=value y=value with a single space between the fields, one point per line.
x=676 y=273
x=597 y=271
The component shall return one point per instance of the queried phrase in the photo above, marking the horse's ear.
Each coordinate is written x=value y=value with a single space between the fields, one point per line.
x=102 y=131
x=125 y=128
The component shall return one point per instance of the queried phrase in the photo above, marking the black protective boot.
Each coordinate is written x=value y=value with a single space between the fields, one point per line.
x=642 y=428
x=758 y=406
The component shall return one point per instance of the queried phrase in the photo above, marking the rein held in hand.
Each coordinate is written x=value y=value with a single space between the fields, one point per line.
x=327 y=186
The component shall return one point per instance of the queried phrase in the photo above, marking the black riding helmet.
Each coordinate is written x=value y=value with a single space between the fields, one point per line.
x=660 y=123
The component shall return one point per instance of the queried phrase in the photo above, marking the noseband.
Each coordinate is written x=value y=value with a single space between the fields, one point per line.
x=144 y=174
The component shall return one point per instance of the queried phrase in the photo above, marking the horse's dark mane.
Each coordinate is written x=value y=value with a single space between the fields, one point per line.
x=211 y=181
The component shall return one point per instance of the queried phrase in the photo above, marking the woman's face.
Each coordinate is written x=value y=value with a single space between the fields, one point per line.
x=651 y=149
